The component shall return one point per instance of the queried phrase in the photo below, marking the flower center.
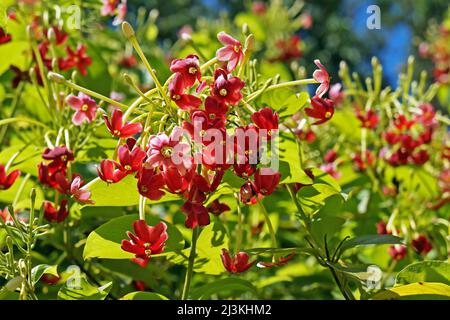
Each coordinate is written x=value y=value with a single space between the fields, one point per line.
x=64 y=158
x=167 y=151
x=262 y=190
x=84 y=107
x=202 y=133
x=127 y=167
x=144 y=189
x=109 y=181
x=212 y=116
x=192 y=70
x=116 y=132
x=328 y=114
x=237 y=48
x=176 y=97
x=223 y=92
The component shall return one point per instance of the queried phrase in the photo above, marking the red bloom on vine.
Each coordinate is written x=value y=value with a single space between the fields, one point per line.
x=420 y=157
x=85 y=108
x=266 y=119
x=281 y=262
x=147 y=241
x=81 y=195
x=53 y=215
x=197 y=215
x=321 y=75
x=226 y=88
x=216 y=207
x=150 y=183
x=216 y=110
x=109 y=171
x=76 y=59
x=59 y=157
x=175 y=182
x=322 y=109
x=183 y=100
x=368 y=120
x=118 y=128
x=189 y=70
x=362 y=163
x=231 y=52
x=7 y=180
x=397 y=252
x=237 y=264
x=330 y=156
x=131 y=160
x=421 y=244
x=248 y=194
x=266 y=181
x=4 y=37
x=60 y=35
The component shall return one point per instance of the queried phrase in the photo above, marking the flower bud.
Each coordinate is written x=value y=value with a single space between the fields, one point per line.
x=56 y=77
x=127 y=30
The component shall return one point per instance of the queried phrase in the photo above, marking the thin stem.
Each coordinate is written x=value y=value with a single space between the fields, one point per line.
x=190 y=269
x=239 y=227
x=282 y=85
x=269 y=224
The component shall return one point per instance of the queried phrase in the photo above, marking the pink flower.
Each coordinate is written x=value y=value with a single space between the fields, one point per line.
x=109 y=7
x=85 y=108
x=169 y=151
x=121 y=13
x=231 y=52
x=80 y=195
x=321 y=75
x=226 y=88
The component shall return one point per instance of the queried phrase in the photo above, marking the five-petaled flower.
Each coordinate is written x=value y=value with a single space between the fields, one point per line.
x=147 y=241
x=188 y=69
x=76 y=59
x=177 y=93
x=236 y=264
x=322 y=109
x=7 y=180
x=421 y=244
x=85 y=108
x=321 y=75
x=109 y=171
x=118 y=128
x=227 y=88
x=266 y=119
x=81 y=195
x=231 y=52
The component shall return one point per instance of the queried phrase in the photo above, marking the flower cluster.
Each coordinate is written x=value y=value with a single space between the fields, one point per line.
x=55 y=173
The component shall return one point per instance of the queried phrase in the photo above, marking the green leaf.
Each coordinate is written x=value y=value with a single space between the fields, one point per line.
x=139 y=295
x=285 y=101
x=313 y=198
x=222 y=287
x=38 y=271
x=289 y=161
x=85 y=291
x=105 y=241
x=12 y=54
x=370 y=239
x=416 y=291
x=122 y=194
x=424 y=271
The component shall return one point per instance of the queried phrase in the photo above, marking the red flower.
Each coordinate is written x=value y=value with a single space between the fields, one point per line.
x=237 y=264
x=244 y=170
x=381 y=228
x=150 y=183
x=362 y=164
x=53 y=215
x=321 y=75
x=281 y=262
x=266 y=181
x=85 y=108
x=402 y=124
x=216 y=207
x=128 y=61
x=216 y=110
x=290 y=48
x=4 y=37
x=80 y=195
x=118 y=129
x=175 y=182
x=6 y=216
x=420 y=157
x=7 y=180
x=60 y=35
x=307 y=135
x=183 y=100
x=19 y=76
x=266 y=119
x=330 y=156
x=231 y=52
x=59 y=157
x=131 y=160
x=248 y=195
x=197 y=215
x=226 y=88
x=147 y=241
x=78 y=59
x=109 y=171
x=139 y=285
x=369 y=120
x=50 y=279
x=421 y=244
x=322 y=109
x=189 y=70
x=397 y=252
x=198 y=188
x=427 y=114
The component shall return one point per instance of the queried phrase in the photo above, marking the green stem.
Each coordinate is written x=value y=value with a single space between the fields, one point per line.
x=239 y=227
x=190 y=269
x=283 y=85
x=269 y=224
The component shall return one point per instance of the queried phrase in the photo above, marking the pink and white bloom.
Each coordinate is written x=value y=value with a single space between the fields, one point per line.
x=231 y=52
x=169 y=152
x=321 y=75
x=80 y=195
x=85 y=107
x=109 y=7
x=121 y=13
